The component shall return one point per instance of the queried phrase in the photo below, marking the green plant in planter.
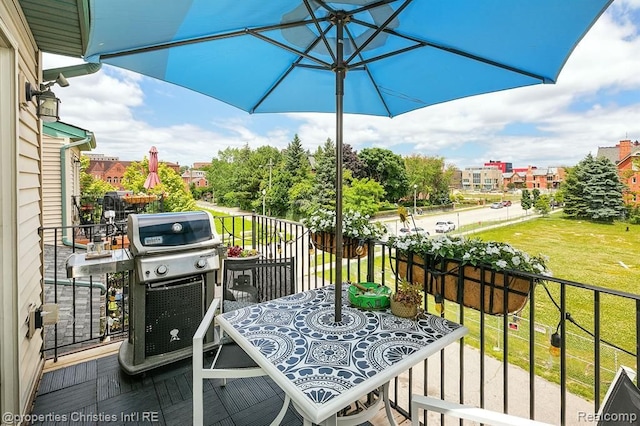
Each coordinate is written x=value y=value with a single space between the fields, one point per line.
x=406 y=300
x=408 y=293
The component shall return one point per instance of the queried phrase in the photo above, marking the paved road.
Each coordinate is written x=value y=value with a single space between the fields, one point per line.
x=461 y=217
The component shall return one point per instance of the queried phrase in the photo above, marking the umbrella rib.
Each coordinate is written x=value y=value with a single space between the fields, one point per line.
x=314 y=18
x=295 y=64
x=230 y=34
x=364 y=62
x=422 y=43
x=288 y=48
x=373 y=82
x=378 y=28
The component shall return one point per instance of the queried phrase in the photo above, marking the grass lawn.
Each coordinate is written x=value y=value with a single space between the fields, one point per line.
x=233 y=229
x=597 y=254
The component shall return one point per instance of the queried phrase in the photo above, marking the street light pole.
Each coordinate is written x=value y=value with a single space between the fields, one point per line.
x=415 y=193
x=264 y=201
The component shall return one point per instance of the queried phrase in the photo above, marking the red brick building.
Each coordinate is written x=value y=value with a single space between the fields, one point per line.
x=195 y=177
x=534 y=178
x=626 y=156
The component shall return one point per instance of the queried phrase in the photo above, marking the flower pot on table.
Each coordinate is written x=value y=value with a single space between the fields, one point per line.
x=466 y=284
x=403 y=310
x=352 y=248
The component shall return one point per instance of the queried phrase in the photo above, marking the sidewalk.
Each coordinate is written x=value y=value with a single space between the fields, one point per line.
x=222 y=209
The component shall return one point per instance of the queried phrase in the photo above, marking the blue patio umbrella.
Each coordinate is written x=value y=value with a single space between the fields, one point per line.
x=377 y=57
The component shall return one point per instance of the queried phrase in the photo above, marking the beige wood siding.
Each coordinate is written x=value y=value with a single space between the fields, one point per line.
x=20 y=213
x=51 y=187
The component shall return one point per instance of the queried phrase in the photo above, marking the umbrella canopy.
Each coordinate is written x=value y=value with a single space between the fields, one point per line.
x=378 y=57
x=152 y=178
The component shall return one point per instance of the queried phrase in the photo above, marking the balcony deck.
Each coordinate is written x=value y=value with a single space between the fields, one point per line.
x=503 y=365
x=97 y=391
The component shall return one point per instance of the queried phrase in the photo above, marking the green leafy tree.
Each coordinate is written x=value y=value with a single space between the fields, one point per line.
x=352 y=161
x=593 y=191
x=325 y=178
x=362 y=195
x=526 y=201
x=300 y=196
x=535 y=194
x=91 y=188
x=431 y=175
x=293 y=170
x=383 y=166
x=220 y=175
x=542 y=205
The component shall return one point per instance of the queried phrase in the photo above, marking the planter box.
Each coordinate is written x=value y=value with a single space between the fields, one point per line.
x=465 y=284
x=352 y=248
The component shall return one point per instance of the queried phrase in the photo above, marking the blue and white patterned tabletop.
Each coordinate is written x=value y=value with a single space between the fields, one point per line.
x=324 y=365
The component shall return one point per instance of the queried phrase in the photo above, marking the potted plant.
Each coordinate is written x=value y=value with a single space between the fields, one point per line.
x=460 y=269
x=406 y=300
x=357 y=228
x=238 y=253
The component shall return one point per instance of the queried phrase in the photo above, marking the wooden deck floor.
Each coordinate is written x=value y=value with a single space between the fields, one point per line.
x=98 y=392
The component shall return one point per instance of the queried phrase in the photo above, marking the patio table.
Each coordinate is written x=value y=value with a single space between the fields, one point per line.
x=325 y=366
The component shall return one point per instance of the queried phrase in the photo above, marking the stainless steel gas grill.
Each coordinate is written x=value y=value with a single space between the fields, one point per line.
x=175 y=261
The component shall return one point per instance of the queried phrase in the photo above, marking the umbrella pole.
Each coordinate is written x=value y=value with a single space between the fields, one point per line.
x=340 y=74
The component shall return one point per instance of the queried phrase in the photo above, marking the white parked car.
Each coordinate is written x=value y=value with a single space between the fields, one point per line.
x=442 y=227
x=413 y=231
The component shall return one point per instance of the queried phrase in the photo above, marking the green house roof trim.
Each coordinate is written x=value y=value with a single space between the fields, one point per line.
x=59 y=129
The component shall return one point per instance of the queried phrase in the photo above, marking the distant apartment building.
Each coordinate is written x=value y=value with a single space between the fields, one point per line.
x=626 y=155
x=504 y=167
x=482 y=178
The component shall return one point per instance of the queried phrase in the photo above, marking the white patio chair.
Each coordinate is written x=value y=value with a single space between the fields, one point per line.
x=487 y=417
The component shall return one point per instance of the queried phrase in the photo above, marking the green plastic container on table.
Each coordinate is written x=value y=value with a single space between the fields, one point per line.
x=371 y=296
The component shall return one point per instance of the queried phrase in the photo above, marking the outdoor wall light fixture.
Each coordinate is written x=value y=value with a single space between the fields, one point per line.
x=47 y=102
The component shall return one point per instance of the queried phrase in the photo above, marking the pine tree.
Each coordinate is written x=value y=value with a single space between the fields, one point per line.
x=593 y=191
x=526 y=201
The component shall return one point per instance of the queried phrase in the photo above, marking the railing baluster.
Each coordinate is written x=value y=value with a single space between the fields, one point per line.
x=532 y=352
x=563 y=356
x=596 y=350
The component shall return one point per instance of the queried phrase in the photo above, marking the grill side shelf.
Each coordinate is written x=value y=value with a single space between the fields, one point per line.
x=79 y=266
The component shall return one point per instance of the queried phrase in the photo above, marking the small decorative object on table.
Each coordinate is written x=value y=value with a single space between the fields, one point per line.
x=369 y=295
x=405 y=301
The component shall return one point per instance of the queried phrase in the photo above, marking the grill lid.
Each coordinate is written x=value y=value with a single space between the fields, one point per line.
x=162 y=232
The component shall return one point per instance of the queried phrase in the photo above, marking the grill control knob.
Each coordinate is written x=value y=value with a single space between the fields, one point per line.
x=201 y=263
x=161 y=270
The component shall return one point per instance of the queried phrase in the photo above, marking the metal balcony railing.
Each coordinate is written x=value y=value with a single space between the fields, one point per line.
x=504 y=364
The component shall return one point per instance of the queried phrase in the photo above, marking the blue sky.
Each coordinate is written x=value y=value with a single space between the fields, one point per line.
x=596 y=102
